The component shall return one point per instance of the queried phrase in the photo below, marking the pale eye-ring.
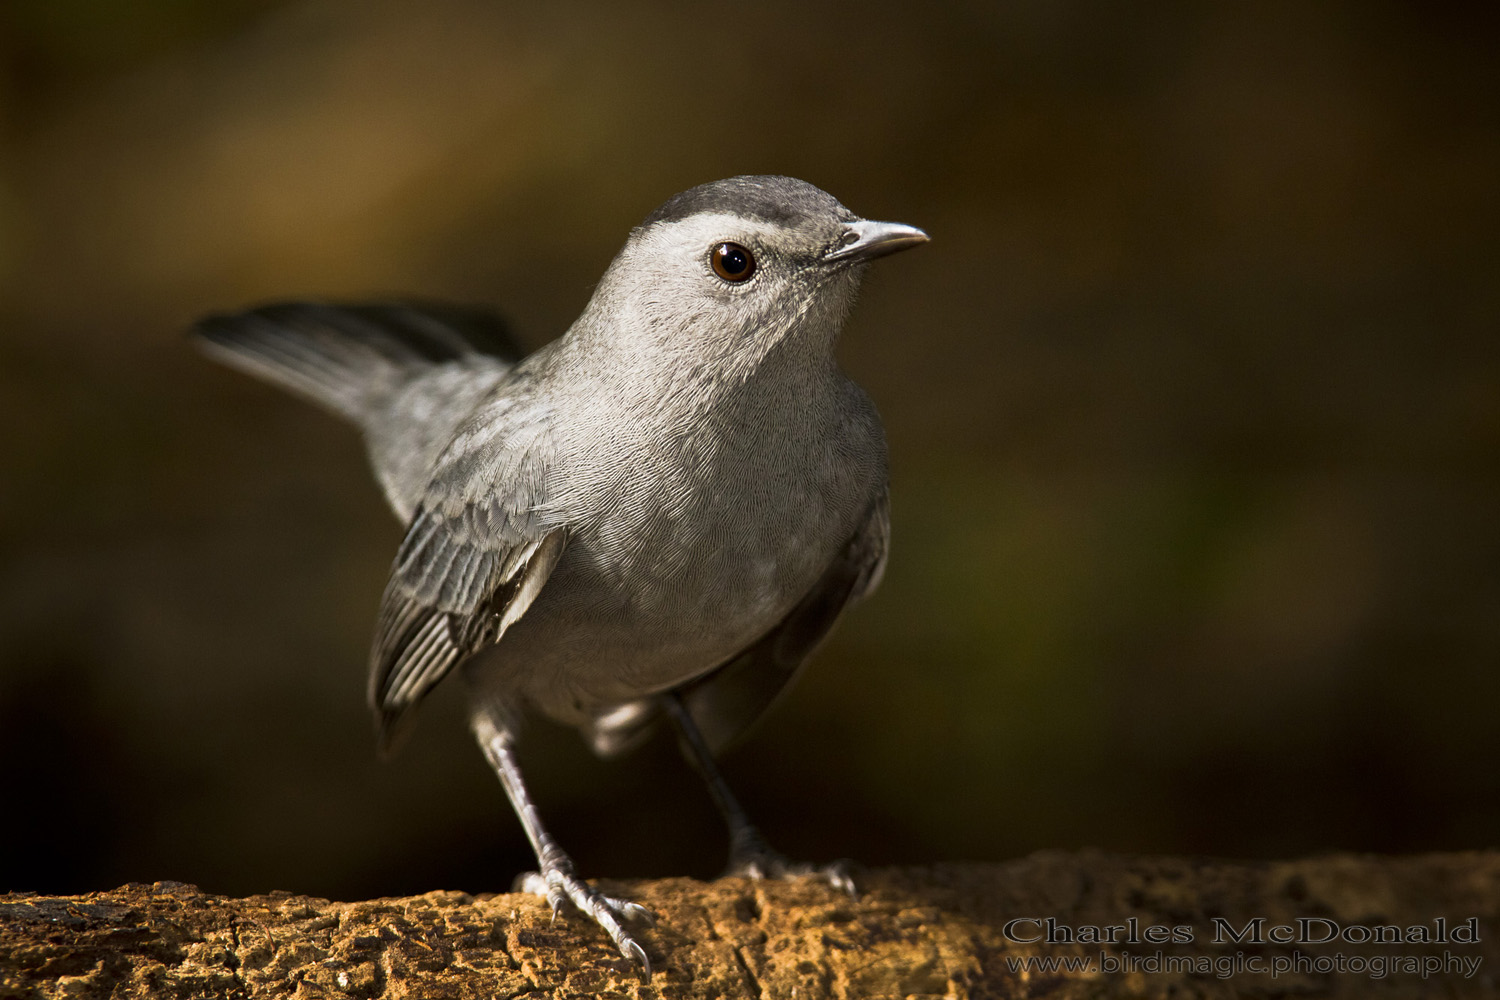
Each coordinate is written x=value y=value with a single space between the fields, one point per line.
x=732 y=262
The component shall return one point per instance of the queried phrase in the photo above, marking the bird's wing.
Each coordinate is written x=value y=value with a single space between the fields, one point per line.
x=348 y=358
x=726 y=701
x=475 y=556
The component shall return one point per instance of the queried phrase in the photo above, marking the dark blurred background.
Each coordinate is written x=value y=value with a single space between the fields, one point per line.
x=1193 y=402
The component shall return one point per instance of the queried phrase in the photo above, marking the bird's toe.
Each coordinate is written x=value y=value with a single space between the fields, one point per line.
x=558 y=885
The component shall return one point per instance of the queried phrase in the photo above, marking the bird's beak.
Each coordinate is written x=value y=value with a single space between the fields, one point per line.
x=866 y=240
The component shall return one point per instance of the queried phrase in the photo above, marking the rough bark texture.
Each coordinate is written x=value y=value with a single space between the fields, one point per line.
x=917 y=932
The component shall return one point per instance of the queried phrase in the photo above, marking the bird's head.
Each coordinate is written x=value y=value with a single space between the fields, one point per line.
x=726 y=271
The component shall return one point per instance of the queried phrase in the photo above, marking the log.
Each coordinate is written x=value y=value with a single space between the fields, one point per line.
x=959 y=930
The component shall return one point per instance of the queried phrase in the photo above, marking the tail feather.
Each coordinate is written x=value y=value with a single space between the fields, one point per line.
x=348 y=359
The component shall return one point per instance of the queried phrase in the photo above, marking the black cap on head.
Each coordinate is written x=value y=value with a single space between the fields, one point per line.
x=778 y=200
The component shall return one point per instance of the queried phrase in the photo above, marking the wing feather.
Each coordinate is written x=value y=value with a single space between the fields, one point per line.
x=475 y=557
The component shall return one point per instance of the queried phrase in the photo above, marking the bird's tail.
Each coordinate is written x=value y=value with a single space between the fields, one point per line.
x=349 y=359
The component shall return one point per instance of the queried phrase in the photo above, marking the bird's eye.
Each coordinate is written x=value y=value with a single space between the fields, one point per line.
x=732 y=262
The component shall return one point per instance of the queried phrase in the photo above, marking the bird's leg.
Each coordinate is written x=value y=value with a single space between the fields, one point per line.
x=749 y=854
x=555 y=880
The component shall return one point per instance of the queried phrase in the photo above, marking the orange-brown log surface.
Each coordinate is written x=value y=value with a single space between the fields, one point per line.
x=915 y=932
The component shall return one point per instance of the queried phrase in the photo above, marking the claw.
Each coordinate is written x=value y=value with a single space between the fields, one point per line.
x=634 y=912
x=839 y=876
x=559 y=884
x=765 y=863
x=632 y=950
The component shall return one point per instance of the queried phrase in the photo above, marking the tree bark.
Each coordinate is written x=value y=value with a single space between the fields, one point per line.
x=940 y=931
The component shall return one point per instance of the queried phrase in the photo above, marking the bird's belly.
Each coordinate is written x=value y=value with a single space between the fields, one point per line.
x=614 y=624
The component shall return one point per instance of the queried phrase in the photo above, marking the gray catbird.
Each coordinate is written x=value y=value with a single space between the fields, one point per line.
x=659 y=514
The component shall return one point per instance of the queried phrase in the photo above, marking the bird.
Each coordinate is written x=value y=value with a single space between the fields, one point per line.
x=653 y=519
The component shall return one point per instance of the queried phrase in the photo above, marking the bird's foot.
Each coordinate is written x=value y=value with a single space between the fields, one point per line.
x=752 y=857
x=558 y=884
